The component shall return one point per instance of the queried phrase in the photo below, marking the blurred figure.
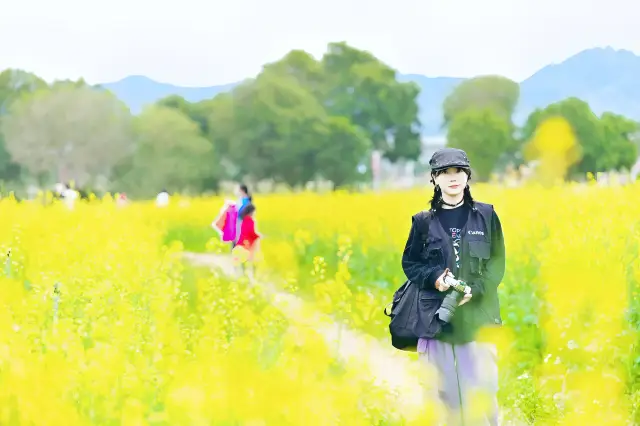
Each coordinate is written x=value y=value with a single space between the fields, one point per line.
x=162 y=199
x=248 y=243
x=59 y=190
x=245 y=198
x=66 y=193
x=227 y=223
x=70 y=196
x=122 y=200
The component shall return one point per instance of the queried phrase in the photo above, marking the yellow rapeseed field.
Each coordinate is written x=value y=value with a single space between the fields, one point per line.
x=102 y=324
x=569 y=348
x=137 y=337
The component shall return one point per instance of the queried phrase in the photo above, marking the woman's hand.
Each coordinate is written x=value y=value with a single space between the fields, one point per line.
x=465 y=299
x=441 y=285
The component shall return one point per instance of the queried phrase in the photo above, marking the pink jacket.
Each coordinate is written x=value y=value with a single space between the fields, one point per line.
x=229 y=231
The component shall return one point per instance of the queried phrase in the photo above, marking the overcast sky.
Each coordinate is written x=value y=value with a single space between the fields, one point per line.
x=207 y=42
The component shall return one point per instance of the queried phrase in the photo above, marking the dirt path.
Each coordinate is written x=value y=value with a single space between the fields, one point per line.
x=389 y=367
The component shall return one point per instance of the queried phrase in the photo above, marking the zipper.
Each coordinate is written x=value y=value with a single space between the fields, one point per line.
x=462 y=239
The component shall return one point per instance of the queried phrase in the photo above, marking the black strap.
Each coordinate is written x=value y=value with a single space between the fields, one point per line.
x=424 y=220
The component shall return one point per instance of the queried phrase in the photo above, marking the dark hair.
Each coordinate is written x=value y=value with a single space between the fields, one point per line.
x=245 y=189
x=247 y=210
x=437 y=200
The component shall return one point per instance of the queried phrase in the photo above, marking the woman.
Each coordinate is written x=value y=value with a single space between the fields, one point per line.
x=464 y=241
x=249 y=239
x=162 y=199
x=226 y=223
x=245 y=199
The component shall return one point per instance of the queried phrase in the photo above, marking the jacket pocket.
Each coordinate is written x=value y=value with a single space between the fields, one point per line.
x=479 y=253
x=428 y=303
x=433 y=251
x=435 y=257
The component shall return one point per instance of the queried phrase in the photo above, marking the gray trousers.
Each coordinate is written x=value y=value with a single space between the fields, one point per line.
x=467 y=382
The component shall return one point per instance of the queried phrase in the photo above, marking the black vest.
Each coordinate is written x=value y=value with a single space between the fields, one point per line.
x=475 y=252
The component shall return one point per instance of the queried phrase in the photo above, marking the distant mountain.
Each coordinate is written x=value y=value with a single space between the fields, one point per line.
x=606 y=78
x=138 y=91
x=433 y=91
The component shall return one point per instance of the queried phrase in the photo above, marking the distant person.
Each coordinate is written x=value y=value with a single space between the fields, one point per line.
x=245 y=199
x=67 y=194
x=226 y=223
x=59 y=190
x=70 y=196
x=248 y=242
x=162 y=199
x=122 y=200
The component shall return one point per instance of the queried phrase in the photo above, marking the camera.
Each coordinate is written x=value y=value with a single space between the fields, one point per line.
x=451 y=300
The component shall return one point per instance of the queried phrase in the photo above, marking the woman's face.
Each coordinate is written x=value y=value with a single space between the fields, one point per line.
x=452 y=181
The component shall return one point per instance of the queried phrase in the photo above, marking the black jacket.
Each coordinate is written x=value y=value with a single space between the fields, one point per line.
x=482 y=265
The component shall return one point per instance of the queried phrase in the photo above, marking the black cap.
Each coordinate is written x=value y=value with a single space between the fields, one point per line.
x=449 y=157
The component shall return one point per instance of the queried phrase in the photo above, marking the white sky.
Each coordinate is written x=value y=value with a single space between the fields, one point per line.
x=207 y=42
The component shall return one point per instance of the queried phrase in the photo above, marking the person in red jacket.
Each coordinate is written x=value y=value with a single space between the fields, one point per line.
x=248 y=241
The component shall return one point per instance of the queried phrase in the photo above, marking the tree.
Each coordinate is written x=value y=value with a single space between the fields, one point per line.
x=619 y=149
x=70 y=132
x=273 y=132
x=342 y=149
x=497 y=93
x=13 y=84
x=360 y=87
x=279 y=125
x=484 y=134
x=483 y=101
x=197 y=111
x=169 y=153
x=221 y=123
x=405 y=135
x=592 y=134
x=302 y=67
x=200 y=113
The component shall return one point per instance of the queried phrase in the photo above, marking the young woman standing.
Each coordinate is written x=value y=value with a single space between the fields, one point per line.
x=249 y=239
x=245 y=199
x=464 y=241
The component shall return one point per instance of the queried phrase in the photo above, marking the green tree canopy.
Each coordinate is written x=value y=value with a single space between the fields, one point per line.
x=69 y=132
x=365 y=90
x=169 y=153
x=342 y=148
x=604 y=142
x=273 y=132
x=484 y=134
x=478 y=115
x=497 y=93
x=14 y=84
